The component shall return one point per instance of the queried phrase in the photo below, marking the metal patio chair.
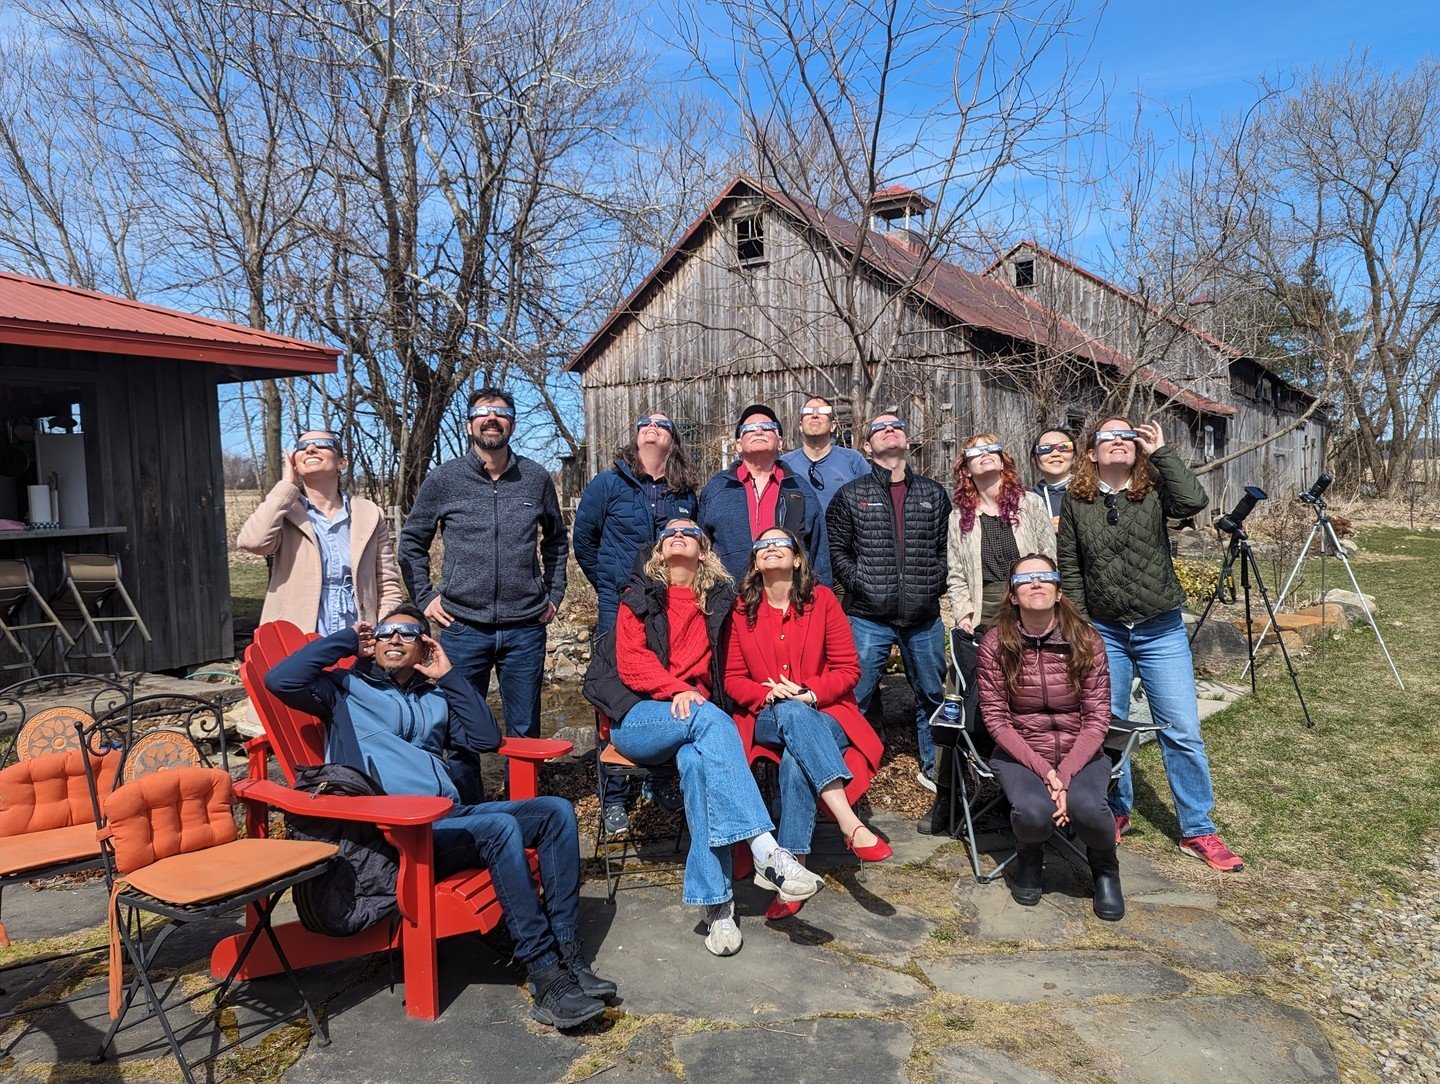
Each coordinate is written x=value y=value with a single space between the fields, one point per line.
x=17 y=593
x=92 y=599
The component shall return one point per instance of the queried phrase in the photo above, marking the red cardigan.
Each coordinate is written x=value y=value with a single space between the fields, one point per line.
x=825 y=661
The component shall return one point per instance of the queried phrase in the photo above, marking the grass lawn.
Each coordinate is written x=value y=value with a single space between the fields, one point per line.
x=248 y=581
x=1352 y=802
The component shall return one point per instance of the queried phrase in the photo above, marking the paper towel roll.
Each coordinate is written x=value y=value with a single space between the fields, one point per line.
x=38 y=498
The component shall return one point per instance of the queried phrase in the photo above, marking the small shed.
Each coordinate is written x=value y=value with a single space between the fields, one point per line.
x=114 y=404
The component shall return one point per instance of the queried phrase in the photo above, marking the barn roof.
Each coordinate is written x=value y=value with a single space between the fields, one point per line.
x=976 y=301
x=36 y=312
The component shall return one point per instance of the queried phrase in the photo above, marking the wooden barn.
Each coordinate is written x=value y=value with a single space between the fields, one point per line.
x=742 y=310
x=114 y=403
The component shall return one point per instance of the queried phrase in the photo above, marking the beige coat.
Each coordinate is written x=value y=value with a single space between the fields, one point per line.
x=1033 y=534
x=279 y=528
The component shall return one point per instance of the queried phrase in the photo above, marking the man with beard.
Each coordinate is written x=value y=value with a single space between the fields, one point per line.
x=394 y=715
x=504 y=570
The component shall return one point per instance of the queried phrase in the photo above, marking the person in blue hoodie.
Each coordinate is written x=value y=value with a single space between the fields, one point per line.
x=393 y=716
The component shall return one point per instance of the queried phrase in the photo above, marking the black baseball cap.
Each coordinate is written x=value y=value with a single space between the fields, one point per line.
x=756 y=408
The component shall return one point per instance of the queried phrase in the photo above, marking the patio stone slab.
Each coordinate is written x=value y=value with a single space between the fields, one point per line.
x=1241 y=1040
x=995 y=918
x=810 y=1052
x=969 y=1064
x=1025 y=977
x=1191 y=936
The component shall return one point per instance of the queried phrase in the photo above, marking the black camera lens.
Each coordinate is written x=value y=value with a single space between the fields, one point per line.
x=1311 y=495
x=1231 y=523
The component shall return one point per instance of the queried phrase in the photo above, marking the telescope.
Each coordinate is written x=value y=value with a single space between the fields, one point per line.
x=1232 y=522
x=1313 y=494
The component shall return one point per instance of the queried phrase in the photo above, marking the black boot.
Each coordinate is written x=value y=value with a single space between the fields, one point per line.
x=559 y=1002
x=937 y=821
x=1105 y=868
x=1028 y=886
x=591 y=984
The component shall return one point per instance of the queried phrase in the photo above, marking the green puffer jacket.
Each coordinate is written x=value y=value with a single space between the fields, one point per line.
x=1124 y=573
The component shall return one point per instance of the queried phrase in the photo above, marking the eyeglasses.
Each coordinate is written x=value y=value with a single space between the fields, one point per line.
x=407 y=632
x=1106 y=435
x=491 y=412
x=660 y=423
x=880 y=427
x=1112 y=514
x=783 y=542
x=825 y=410
x=977 y=450
x=328 y=443
x=759 y=427
x=671 y=532
x=1048 y=576
x=816 y=478
x=1058 y=446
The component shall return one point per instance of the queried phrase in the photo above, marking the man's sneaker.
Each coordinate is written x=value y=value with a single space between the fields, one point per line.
x=1212 y=851
x=559 y=1001
x=925 y=781
x=724 y=937
x=783 y=873
x=1122 y=826
x=591 y=984
x=615 y=820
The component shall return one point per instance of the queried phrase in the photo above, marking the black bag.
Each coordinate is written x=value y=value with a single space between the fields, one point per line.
x=357 y=889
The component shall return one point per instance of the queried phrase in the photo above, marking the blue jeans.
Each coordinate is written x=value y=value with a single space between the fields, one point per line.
x=722 y=803
x=1158 y=650
x=922 y=647
x=811 y=761
x=494 y=836
x=517 y=653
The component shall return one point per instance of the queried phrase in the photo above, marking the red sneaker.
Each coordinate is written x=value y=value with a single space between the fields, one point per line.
x=1212 y=851
x=1122 y=826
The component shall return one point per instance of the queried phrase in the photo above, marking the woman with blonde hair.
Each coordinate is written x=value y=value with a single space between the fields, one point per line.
x=657 y=678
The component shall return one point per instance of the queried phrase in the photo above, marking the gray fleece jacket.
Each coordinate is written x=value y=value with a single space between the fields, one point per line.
x=505 y=542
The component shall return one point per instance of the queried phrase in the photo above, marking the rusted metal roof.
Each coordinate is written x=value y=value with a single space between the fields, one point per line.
x=35 y=312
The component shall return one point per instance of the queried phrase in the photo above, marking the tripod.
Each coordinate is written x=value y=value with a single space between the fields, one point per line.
x=1239 y=550
x=1325 y=531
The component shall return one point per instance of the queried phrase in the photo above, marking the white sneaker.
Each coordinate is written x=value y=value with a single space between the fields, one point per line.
x=724 y=937
x=782 y=872
x=926 y=782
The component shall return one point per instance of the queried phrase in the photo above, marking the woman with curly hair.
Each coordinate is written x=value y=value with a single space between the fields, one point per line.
x=994 y=521
x=1045 y=698
x=656 y=678
x=791 y=670
x=1115 y=566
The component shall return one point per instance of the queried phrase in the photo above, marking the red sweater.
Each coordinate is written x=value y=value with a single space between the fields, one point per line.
x=641 y=670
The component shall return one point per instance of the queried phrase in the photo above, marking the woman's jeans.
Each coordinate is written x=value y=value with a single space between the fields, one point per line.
x=922 y=649
x=722 y=803
x=1032 y=811
x=811 y=761
x=1159 y=651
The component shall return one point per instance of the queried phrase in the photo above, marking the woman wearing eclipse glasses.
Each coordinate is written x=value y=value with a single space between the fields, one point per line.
x=1045 y=698
x=332 y=561
x=1115 y=565
x=1053 y=456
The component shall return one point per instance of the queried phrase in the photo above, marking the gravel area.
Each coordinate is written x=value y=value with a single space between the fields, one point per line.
x=1381 y=963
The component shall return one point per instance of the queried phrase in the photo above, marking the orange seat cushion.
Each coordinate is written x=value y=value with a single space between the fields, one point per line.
x=613 y=756
x=52 y=847
x=227 y=870
x=163 y=814
x=50 y=791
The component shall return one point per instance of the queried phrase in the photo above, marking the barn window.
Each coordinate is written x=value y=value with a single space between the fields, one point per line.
x=1024 y=273
x=750 y=240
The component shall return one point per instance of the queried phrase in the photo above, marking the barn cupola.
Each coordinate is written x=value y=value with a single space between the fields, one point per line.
x=899 y=211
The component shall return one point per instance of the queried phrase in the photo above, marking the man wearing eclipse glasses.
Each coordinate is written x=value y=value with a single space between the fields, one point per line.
x=888 y=548
x=824 y=464
x=395 y=715
x=757 y=492
x=504 y=571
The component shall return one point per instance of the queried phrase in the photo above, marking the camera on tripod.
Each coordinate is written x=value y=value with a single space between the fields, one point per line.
x=1314 y=494
x=1233 y=521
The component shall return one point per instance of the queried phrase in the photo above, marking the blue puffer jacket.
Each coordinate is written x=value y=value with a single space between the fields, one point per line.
x=613 y=524
x=726 y=519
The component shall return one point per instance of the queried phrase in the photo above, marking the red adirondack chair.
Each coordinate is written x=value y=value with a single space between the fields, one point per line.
x=429 y=910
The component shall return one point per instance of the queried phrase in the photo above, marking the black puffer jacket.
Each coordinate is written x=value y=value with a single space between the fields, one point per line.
x=645 y=597
x=881 y=584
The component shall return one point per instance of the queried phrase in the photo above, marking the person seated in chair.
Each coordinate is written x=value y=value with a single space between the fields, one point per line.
x=791 y=669
x=393 y=716
x=656 y=679
x=1045 y=697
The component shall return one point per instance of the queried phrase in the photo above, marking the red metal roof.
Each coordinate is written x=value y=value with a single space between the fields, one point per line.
x=34 y=312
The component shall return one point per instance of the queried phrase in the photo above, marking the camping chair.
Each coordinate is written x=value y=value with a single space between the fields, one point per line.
x=91 y=583
x=975 y=795
x=17 y=590
x=52 y=729
x=170 y=850
x=464 y=902
x=611 y=763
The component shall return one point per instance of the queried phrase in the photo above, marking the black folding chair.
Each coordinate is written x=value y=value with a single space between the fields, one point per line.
x=618 y=849
x=17 y=593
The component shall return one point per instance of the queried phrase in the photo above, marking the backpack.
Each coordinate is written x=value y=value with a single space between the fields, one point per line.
x=357 y=889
